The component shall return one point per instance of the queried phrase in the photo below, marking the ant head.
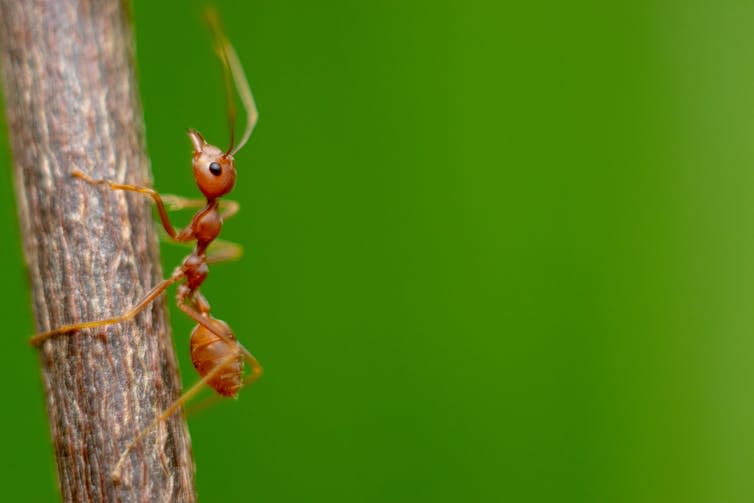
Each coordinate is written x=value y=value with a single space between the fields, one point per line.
x=214 y=170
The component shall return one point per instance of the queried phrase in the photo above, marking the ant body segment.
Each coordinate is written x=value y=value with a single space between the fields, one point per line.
x=216 y=354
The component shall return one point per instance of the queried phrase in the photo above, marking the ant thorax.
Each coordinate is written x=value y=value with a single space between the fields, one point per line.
x=206 y=225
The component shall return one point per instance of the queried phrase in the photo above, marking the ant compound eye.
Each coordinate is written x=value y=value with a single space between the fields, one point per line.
x=215 y=169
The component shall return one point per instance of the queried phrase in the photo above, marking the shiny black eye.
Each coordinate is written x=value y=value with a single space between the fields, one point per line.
x=215 y=169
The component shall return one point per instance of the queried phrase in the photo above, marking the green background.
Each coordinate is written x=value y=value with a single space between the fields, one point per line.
x=493 y=252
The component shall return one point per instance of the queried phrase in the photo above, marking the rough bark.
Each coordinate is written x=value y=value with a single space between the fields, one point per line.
x=72 y=102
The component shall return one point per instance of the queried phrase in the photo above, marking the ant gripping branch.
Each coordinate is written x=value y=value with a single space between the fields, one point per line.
x=215 y=352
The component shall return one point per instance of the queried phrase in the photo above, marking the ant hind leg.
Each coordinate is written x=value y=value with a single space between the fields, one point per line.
x=255 y=366
x=116 y=473
x=255 y=373
x=173 y=202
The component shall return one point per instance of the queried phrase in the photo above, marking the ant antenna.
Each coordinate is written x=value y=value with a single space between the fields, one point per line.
x=232 y=71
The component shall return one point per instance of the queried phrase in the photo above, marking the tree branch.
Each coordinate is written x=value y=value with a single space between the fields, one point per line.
x=72 y=103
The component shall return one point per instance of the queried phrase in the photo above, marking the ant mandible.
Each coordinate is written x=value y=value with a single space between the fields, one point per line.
x=215 y=352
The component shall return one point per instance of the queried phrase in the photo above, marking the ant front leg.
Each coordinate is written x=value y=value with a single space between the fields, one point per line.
x=173 y=202
x=184 y=235
x=228 y=208
x=177 y=203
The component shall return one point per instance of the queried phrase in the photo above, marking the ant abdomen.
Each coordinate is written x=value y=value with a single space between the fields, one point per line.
x=208 y=350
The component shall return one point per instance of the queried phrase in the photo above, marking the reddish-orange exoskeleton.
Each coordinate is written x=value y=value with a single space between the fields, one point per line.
x=215 y=352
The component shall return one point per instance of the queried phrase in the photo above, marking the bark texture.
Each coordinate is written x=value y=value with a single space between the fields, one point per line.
x=72 y=102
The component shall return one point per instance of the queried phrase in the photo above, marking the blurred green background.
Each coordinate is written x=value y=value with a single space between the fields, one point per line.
x=494 y=252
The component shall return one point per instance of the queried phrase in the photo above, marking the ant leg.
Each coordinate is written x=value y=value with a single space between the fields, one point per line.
x=228 y=208
x=184 y=235
x=172 y=409
x=211 y=400
x=198 y=314
x=223 y=251
x=256 y=369
x=38 y=339
x=177 y=203
x=219 y=250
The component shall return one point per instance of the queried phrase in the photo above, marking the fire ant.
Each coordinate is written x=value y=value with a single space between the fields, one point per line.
x=215 y=352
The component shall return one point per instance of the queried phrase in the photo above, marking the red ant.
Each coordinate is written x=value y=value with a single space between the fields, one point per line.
x=216 y=354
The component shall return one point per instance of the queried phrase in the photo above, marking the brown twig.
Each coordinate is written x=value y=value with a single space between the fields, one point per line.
x=72 y=103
